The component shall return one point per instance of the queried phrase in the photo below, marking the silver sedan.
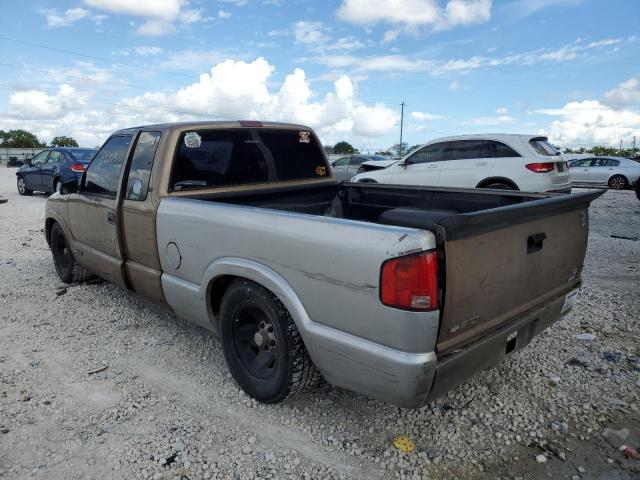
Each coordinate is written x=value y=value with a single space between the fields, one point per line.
x=615 y=172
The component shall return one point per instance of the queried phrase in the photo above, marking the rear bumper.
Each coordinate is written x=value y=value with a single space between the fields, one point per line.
x=413 y=380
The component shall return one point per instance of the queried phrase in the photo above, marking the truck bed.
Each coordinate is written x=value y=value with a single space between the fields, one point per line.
x=502 y=253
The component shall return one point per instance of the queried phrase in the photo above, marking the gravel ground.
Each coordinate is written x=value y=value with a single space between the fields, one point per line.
x=97 y=383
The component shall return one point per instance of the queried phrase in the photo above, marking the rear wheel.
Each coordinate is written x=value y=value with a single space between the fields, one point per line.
x=22 y=187
x=618 y=182
x=262 y=346
x=367 y=180
x=67 y=268
x=498 y=185
x=638 y=188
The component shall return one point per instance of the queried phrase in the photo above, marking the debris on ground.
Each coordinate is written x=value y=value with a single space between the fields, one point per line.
x=587 y=337
x=631 y=453
x=98 y=370
x=541 y=458
x=615 y=437
x=623 y=237
x=61 y=291
x=404 y=444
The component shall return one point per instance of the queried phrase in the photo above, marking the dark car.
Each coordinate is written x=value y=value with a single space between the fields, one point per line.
x=52 y=167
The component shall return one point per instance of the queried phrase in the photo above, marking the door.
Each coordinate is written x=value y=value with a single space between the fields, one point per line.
x=579 y=171
x=31 y=174
x=142 y=264
x=602 y=170
x=422 y=167
x=92 y=212
x=354 y=165
x=467 y=163
x=340 y=168
x=49 y=170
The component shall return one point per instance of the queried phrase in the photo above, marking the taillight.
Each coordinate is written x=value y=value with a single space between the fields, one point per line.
x=77 y=167
x=540 y=167
x=410 y=282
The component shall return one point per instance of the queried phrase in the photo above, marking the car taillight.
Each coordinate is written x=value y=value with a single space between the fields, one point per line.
x=410 y=282
x=540 y=167
x=77 y=167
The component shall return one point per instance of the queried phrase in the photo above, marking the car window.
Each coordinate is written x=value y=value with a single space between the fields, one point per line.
x=577 y=163
x=356 y=161
x=467 y=149
x=103 y=172
x=430 y=153
x=542 y=146
x=600 y=162
x=81 y=155
x=141 y=163
x=612 y=163
x=54 y=157
x=40 y=158
x=341 y=162
x=500 y=150
x=243 y=156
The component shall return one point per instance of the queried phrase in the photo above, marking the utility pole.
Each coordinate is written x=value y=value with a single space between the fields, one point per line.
x=401 y=124
x=633 y=150
x=620 y=149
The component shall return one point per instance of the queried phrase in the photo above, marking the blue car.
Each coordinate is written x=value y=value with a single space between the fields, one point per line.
x=52 y=167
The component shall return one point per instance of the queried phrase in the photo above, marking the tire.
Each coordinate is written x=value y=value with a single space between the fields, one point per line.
x=57 y=186
x=498 y=186
x=618 y=182
x=637 y=188
x=22 y=187
x=262 y=346
x=366 y=180
x=67 y=268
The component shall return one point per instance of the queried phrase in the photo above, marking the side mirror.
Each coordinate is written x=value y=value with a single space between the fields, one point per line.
x=406 y=163
x=70 y=186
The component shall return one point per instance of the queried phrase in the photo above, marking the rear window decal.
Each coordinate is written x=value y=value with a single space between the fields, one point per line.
x=305 y=137
x=321 y=171
x=192 y=140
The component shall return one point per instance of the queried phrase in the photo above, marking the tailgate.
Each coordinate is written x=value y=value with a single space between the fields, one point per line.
x=503 y=262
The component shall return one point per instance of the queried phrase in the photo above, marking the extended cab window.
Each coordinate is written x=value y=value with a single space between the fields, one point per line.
x=104 y=171
x=241 y=156
x=341 y=162
x=141 y=163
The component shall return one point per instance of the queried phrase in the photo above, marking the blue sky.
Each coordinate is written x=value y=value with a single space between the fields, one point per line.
x=566 y=68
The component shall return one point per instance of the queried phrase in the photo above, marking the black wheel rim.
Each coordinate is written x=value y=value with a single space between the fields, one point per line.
x=617 y=183
x=254 y=340
x=62 y=253
x=21 y=185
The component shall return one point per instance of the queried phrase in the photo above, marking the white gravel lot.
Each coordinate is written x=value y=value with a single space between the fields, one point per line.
x=165 y=406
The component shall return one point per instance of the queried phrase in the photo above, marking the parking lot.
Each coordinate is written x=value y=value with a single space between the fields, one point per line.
x=97 y=383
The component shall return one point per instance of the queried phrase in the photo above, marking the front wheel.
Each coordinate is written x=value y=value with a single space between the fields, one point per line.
x=638 y=188
x=22 y=187
x=261 y=344
x=618 y=182
x=499 y=186
x=67 y=268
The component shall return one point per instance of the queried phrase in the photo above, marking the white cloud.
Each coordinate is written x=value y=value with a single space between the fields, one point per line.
x=424 y=116
x=317 y=36
x=412 y=14
x=502 y=111
x=230 y=89
x=166 y=9
x=156 y=27
x=147 y=51
x=224 y=14
x=520 y=9
x=69 y=17
x=625 y=94
x=489 y=121
x=454 y=85
x=591 y=122
x=310 y=32
x=190 y=16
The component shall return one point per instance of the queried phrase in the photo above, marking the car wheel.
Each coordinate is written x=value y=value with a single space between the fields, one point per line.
x=22 y=187
x=638 y=188
x=57 y=186
x=499 y=186
x=67 y=268
x=618 y=182
x=367 y=180
x=261 y=344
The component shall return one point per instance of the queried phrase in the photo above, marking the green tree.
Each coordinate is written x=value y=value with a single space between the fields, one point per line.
x=19 y=139
x=63 y=141
x=344 y=148
x=386 y=153
x=400 y=149
x=328 y=149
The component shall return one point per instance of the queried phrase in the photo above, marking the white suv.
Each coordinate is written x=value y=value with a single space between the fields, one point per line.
x=515 y=162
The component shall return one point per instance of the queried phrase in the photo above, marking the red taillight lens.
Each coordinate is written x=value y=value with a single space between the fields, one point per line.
x=77 y=167
x=410 y=282
x=540 y=167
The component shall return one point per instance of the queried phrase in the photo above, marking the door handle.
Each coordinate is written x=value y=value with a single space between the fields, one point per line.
x=534 y=242
x=432 y=166
x=111 y=217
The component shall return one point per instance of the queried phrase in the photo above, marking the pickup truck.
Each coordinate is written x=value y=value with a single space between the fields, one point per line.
x=396 y=292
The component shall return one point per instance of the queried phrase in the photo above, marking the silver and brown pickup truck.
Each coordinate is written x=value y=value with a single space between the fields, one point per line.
x=396 y=292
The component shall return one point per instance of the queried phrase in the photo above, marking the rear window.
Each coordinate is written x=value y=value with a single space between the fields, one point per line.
x=84 y=156
x=543 y=147
x=218 y=158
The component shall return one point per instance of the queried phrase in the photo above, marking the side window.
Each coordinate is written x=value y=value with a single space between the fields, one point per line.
x=356 y=161
x=466 y=149
x=55 y=157
x=612 y=163
x=600 y=162
x=500 y=150
x=341 y=162
x=141 y=163
x=430 y=153
x=104 y=171
x=40 y=158
x=576 y=163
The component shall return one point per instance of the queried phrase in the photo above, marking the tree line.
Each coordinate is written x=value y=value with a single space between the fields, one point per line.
x=23 y=139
